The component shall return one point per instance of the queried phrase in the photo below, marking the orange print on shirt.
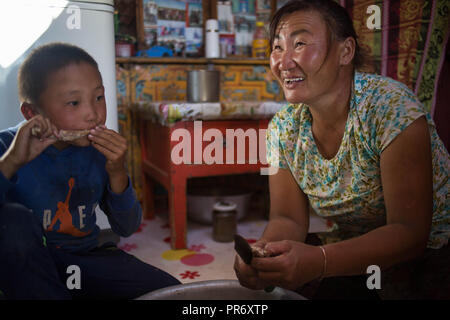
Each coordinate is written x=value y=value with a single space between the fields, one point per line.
x=64 y=216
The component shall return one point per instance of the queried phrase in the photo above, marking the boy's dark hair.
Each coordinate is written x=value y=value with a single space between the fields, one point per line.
x=336 y=17
x=43 y=61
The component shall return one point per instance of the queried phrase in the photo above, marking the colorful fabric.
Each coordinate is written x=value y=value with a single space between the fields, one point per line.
x=168 y=113
x=167 y=82
x=347 y=189
x=409 y=46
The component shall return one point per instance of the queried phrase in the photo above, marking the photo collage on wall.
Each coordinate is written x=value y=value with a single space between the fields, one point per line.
x=175 y=24
x=237 y=21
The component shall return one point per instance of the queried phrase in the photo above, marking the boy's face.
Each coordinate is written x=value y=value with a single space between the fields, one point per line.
x=74 y=99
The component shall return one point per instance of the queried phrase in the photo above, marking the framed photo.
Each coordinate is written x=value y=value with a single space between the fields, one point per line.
x=174 y=24
x=146 y=23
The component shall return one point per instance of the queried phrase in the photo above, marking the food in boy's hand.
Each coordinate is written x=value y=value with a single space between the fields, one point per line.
x=64 y=135
x=69 y=135
x=36 y=131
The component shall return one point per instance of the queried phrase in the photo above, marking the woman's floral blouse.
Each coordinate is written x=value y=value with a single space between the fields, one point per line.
x=347 y=189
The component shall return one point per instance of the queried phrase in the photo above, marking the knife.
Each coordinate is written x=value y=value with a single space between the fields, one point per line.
x=243 y=249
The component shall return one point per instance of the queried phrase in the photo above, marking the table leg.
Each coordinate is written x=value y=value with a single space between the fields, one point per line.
x=148 y=200
x=178 y=212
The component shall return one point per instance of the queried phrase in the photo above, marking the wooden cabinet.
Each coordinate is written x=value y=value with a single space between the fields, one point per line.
x=159 y=141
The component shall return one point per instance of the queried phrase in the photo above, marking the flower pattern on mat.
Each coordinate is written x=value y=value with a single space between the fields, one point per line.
x=165 y=226
x=128 y=247
x=189 y=274
x=197 y=247
x=141 y=226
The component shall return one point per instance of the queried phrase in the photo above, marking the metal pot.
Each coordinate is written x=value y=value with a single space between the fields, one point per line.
x=218 y=290
x=203 y=86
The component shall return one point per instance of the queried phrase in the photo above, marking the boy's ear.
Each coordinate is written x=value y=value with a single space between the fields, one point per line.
x=28 y=110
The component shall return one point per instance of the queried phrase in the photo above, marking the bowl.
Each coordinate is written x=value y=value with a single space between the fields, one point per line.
x=200 y=202
x=218 y=290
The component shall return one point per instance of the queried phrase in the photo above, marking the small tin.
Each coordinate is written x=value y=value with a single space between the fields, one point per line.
x=224 y=221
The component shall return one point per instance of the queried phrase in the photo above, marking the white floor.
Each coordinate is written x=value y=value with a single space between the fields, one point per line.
x=204 y=259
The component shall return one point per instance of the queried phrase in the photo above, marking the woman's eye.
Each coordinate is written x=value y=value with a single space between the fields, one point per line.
x=99 y=98
x=299 y=44
x=276 y=47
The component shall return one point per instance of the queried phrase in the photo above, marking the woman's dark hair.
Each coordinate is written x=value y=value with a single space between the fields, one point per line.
x=335 y=16
x=43 y=61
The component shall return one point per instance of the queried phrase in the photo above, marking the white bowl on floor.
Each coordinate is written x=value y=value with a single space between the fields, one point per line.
x=200 y=202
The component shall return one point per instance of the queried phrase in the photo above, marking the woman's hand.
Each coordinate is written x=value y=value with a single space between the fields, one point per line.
x=114 y=147
x=247 y=275
x=33 y=137
x=292 y=265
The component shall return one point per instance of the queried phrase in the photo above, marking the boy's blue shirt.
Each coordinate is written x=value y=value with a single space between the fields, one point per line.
x=63 y=189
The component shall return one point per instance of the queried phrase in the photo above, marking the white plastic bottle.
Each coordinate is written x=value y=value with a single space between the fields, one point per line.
x=212 y=48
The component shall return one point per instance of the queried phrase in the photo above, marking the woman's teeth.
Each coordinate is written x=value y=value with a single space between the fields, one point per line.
x=292 y=80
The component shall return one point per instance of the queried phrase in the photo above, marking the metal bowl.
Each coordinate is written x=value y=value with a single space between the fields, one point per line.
x=218 y=290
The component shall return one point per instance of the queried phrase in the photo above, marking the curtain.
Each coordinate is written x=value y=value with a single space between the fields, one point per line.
x=410 y=44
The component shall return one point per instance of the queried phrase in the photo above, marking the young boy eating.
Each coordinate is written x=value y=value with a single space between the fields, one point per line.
x=55 y=168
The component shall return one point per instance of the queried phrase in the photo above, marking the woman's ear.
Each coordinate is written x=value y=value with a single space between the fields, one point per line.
x=28 y=110
x=348 y=51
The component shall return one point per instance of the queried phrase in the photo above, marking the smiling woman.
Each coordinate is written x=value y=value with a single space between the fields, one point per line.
x=363 y=152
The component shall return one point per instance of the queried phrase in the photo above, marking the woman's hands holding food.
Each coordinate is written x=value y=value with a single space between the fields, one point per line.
x=290 y=265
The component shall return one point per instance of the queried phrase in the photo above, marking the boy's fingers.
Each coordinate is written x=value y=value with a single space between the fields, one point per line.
x=107 y=145
x=40 y=127
x=109 y=154
x=109 y=139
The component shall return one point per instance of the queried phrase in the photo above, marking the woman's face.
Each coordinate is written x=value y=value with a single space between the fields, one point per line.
x=304 y=59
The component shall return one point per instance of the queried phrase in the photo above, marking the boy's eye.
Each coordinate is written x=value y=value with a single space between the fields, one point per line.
x=99 y=98
x=73 y=103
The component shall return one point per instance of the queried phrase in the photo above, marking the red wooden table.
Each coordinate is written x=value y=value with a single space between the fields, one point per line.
x=160 y=165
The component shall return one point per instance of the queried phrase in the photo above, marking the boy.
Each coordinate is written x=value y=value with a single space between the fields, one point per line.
x=55 y=168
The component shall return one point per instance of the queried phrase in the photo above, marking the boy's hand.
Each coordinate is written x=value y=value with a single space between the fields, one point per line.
x=114 y=147
x=26 y=146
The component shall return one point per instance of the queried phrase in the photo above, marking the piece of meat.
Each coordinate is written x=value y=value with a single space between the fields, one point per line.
x=70 y=135
x=259 y=252
x=36 y=131
x=64 y=135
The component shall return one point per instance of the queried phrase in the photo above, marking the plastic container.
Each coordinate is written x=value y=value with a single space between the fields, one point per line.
x=224 y=221
x=260 y=44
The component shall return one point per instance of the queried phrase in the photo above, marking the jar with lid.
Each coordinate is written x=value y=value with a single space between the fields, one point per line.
x=224 y=221
x=260 y=44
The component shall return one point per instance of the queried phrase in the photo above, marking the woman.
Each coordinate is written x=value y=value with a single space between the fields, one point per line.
x=361 y=151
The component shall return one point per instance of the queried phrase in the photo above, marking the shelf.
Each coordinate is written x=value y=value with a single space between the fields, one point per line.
x=219 y=61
